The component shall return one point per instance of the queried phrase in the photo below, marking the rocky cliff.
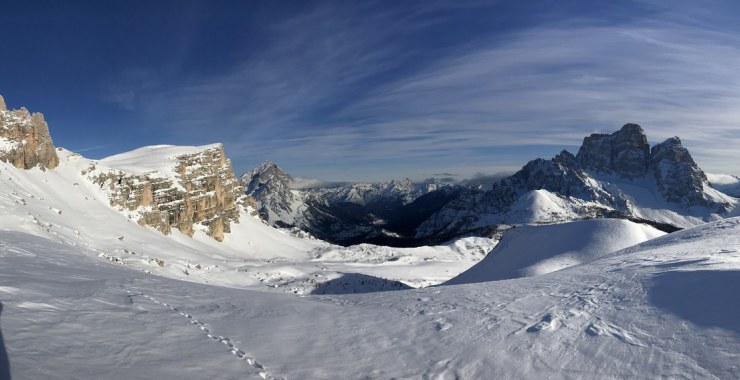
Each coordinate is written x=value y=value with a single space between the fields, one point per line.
x=625 y=152
x=677 y=176
x=173 y=187
x=24 y=139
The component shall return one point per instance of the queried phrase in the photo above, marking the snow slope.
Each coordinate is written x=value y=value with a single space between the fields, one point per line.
x=534 y=250
x=665 y=308
x=155 y=160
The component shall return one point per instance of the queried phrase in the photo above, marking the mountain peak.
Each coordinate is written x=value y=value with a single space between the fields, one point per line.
x=625 y=152
x=678 y=177
x=3 y=107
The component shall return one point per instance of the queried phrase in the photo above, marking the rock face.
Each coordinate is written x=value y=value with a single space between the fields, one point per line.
x=199 y=187
x=678 y=177
x=24 y=139
x=625 y=152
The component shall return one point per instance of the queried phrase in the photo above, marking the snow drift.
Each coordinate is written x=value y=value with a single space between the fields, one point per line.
x=534 y=250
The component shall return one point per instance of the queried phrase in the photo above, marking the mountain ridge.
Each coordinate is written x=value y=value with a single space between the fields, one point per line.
x=612 y=175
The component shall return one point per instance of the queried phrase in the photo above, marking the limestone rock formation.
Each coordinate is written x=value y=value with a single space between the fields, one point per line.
x=198 y=187
x=677 y=176
x=625 y=152
x=24 y=139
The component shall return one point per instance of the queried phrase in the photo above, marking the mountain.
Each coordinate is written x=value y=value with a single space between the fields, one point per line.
x=612 y=175
x=380 y=213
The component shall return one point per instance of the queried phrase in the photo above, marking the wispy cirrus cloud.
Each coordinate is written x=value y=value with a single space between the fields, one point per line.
x=346 y=93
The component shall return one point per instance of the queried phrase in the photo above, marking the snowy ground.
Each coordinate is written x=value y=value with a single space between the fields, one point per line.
x=667 y=307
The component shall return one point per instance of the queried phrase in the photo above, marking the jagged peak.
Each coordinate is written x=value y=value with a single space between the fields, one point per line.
x=264 y=167
x=3 y=106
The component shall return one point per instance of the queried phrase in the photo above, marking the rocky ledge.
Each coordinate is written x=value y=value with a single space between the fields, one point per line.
x=24 y=139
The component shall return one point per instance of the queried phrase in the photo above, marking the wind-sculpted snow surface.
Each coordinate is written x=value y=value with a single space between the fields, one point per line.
x=628 y=314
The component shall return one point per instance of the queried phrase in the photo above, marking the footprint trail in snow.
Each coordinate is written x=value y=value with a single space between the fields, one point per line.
x=234 y=350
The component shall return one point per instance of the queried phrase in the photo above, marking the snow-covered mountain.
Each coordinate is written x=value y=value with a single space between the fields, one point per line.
x=345 y=213
x=614 y=175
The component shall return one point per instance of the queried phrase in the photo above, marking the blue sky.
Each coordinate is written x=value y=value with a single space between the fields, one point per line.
x=375 y=90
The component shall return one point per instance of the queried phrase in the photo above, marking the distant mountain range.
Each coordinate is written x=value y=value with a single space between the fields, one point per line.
x=381 y=213
x=616 y=175
x=612 y=175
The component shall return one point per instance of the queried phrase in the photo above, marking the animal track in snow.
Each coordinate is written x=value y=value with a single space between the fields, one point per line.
x=239 y=353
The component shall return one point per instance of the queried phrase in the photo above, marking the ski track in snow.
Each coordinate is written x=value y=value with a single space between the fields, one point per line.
x=234 y=350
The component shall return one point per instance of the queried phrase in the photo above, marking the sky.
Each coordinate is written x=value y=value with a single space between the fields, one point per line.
x=376 y=90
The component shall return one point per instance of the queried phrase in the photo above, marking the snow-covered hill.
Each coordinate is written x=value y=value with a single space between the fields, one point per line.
x=533 y=250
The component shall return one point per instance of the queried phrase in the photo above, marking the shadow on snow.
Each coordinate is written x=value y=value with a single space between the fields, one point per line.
x=704 y=298
x=350 y=283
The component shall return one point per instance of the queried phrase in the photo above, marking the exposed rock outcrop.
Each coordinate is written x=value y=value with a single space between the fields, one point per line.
x=625 y=152
x=199 y=187
x=24 y=139
x=677 y=176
